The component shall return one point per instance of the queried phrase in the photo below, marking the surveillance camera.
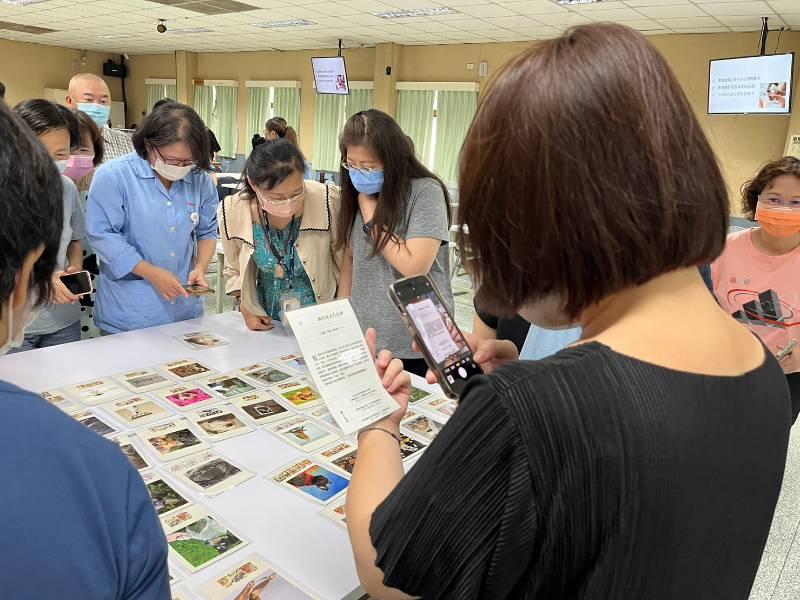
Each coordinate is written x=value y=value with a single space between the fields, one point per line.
x=162 y=26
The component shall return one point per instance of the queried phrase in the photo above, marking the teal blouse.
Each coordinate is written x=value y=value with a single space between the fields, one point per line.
x=271 y=288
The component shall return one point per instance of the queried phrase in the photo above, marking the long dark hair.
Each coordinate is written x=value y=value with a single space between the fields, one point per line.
x=174 y=122
x=380 y=133
x=282 y=129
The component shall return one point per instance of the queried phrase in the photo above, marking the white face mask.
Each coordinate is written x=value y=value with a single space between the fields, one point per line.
x=62 y=165
x=171 y=172
x=14 y=340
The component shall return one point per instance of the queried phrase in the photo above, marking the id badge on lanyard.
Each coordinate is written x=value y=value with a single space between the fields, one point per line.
x=194 y=216
x=288 y=301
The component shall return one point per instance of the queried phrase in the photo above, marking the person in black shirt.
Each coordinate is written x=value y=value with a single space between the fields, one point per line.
x=487 y=326
x=213 y=144
x=644 y=462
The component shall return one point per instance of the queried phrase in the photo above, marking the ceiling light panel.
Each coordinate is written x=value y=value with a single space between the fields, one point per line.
x=415 y=12
x=281 y=24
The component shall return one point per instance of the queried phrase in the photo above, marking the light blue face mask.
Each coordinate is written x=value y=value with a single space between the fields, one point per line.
x=367 y=183
x=97 y=112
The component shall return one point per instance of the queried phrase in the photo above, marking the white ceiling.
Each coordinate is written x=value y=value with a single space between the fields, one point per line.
x=81 y=23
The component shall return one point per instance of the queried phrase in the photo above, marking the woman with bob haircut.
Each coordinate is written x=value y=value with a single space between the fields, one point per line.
x=152 y=220
x=646 y=460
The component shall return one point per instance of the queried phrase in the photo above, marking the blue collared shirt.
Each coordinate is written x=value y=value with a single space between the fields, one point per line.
x=132 y=217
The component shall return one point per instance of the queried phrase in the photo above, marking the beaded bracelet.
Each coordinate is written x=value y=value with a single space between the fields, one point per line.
x=394 y=435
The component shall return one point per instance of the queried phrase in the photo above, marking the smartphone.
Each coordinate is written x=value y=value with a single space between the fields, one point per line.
x=433 y=328
x=198 y=290
x=79 y=283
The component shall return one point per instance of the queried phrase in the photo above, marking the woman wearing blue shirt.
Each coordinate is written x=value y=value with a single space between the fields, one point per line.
x=151 y=219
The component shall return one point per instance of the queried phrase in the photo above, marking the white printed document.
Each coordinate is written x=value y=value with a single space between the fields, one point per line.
x=340 y=364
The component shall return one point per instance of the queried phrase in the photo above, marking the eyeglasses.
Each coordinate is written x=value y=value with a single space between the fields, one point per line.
x=779 y=203
x=365 y=170
x=282 y=201
x=175 y=162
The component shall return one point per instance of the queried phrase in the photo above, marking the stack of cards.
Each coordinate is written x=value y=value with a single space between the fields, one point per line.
x=311 y=480
x=197 y=539
x=172 y=440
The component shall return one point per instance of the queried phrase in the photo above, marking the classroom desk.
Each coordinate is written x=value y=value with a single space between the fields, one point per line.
x=281 y=526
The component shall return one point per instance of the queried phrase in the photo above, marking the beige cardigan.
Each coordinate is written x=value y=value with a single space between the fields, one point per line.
x=314 y=244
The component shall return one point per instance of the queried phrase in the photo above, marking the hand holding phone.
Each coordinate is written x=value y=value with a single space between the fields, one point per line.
x=198 y=290
x=77 y=284
x=434 y=330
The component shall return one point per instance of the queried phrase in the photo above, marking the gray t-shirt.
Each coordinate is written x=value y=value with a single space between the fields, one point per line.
x=372 y=275
x=54 y=317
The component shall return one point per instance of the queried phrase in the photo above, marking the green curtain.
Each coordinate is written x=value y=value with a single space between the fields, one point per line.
x=204 y=103
x=155 y=92
x=171 y=91
x=287 y=105
x=357 y=101
x=225 y=119
x=328 y=122
x=454 y=116
x=415 y=117
x=257 y=110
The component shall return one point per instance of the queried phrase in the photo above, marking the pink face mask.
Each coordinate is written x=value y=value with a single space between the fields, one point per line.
x=79 y=166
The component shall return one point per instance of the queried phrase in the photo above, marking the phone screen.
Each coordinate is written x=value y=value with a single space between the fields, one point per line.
x=197 y=289
x=441 y=337
x=77 y=283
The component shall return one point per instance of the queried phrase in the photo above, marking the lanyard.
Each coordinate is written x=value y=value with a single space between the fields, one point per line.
x=287 y=249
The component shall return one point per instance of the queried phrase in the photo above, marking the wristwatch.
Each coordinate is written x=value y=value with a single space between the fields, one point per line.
x=368 y=227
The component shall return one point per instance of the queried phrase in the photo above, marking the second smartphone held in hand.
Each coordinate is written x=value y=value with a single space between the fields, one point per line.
x=445 y=349
x=79 y=283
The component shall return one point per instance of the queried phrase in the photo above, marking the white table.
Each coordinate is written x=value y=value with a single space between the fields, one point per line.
x=231 y=186
x=283 y=527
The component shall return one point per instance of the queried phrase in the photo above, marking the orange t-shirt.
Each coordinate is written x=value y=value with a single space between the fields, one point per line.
x=761 y=291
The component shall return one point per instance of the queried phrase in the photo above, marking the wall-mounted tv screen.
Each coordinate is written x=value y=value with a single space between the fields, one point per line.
x=751 y=85
x=330 y=75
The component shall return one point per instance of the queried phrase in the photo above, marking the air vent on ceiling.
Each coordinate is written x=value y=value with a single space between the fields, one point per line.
x=415 y=12
x=24 y=28
x=277 y=24
x=208 y=7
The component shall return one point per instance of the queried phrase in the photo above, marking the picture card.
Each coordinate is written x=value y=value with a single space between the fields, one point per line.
x=298 y=393
x=265 y=373
x=186 y=369
x=90 y=419
x=130 y=451
x=219 y=422
x=202 y=340
x=442 y=408
x=227 y=386
x=337 y=512
x=423 y=426
x=172 y=440
x=252 y=578
x=137 y=410
x=294 y=361
x=166 y=500
x=418 y=394
x=262 y=408
x=97 y=391
x=311 y=480
x=208 y=472
x=409 y=447
x=302 y=433
x=143 y=380
x=60 y=400
x=323 y=415
x=196 y=538
x=340 y=364
x=341 y=455
x=185 y=397
x=180 y=593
